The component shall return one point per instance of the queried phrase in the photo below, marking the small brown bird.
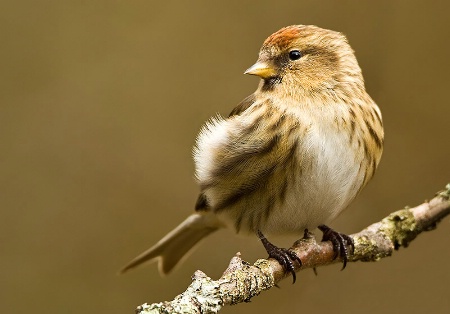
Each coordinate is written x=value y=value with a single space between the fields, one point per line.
x=291 y=156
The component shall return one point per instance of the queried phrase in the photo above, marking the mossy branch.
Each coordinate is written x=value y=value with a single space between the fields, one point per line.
x=241 y=281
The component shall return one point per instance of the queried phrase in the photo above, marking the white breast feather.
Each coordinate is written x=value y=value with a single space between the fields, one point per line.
x=322 y=191
x=212 y=137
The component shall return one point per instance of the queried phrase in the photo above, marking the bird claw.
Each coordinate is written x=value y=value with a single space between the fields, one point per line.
x=340 y=243
x=285 y=257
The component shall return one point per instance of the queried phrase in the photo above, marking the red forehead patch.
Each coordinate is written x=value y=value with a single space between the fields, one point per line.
x=283 y=37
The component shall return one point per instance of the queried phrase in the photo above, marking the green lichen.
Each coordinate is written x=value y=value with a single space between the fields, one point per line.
x=249 y=281
x=445 y=194
x=366 y=249
x=266 y=269
x=400 y=227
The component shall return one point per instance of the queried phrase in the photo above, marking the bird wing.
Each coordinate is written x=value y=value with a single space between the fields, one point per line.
x=243 y=159
x=243 y=105
x=202 y=202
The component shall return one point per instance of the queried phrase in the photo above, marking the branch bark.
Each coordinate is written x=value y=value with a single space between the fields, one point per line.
x=241 y=281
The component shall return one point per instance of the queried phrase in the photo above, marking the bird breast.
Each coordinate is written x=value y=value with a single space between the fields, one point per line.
x=278 y=169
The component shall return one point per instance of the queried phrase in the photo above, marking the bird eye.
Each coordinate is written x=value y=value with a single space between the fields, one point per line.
x=295 y=55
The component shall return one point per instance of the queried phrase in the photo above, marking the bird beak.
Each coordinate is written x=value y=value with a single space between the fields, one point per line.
x=261 y=69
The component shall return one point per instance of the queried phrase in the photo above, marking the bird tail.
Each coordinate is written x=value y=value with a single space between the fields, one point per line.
x=177 y=243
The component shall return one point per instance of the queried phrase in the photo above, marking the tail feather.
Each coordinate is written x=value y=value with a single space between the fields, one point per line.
x=176 y=244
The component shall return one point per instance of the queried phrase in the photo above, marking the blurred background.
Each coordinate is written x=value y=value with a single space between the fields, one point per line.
x=100 y=105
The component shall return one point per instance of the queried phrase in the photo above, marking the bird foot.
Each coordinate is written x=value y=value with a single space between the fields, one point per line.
x=340 y=243
x=285 y=257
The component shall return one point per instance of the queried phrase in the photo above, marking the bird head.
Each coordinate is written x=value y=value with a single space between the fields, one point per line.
x=306 y=58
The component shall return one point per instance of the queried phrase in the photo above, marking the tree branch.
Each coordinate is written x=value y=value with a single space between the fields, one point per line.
x=242 y=281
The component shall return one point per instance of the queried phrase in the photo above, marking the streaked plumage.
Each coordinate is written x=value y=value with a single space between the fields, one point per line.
x=292 y=155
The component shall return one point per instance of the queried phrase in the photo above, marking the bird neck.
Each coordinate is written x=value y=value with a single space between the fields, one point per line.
x=336 y=90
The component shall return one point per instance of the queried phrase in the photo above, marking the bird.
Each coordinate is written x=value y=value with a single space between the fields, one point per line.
x=290 y=157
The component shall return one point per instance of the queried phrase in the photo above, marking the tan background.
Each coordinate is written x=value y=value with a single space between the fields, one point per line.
x=100 y=105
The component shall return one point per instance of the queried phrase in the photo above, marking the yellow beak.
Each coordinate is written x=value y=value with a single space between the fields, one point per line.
x=261 y=69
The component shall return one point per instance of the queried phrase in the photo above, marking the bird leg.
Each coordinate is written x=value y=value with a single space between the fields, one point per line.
x=340 y=243
x=285 y=257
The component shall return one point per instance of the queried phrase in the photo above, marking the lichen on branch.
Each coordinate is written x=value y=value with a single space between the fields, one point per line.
x=242 y=281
